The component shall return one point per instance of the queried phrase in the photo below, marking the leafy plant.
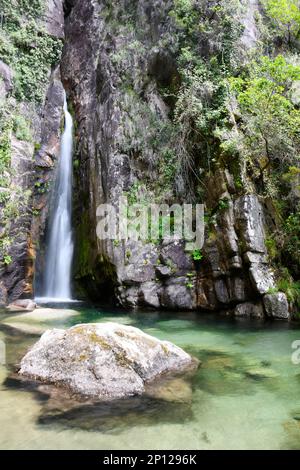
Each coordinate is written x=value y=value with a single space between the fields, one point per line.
x=223 y=204
x=5 y=244
x=291 y=289
x=291 y=246
x=27 y=48
x=270 y=120
x=4 y=196
x=7 y=260
x=5 y=147
x=271 y=247
x=197 y=255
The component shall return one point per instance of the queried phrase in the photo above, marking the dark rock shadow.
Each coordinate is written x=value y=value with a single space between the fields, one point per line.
x=62 y=410
x=112 y=417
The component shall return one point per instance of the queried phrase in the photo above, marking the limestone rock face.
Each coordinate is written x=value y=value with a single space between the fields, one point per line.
x=53 y=20
x=7 y=79
x=250 y=35
x=249 y=215
x=277 y=306
x=103 y=361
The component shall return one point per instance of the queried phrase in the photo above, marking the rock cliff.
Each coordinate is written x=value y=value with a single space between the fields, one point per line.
x=34 y=127
x=133 y=71
x=117 y=63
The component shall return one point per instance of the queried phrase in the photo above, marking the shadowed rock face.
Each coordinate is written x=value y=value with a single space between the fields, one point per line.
x=103 y=361
x=32 y=165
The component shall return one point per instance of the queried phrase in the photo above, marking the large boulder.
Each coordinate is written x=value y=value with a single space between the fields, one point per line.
x=103 y=361
x=277 y=306
x=262 y=277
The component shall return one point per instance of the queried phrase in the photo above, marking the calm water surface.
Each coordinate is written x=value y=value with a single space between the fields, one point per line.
x=245 y=395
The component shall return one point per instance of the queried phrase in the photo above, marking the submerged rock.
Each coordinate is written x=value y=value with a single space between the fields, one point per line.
x=46 y=314
x=261 y=373
x=22 y=305
x=37 y=321
x=103 y=361
x=27 y=328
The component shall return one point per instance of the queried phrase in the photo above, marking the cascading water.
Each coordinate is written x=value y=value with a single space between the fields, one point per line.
x=59 y=253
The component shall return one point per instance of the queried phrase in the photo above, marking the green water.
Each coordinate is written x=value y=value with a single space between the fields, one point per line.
x=245 y=395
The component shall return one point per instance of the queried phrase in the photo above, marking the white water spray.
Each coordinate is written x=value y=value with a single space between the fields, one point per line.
x=59 y=254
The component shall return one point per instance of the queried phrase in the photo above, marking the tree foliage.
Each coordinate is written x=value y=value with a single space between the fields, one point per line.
x=270 y=121
x=286 y=16
x=27 y=48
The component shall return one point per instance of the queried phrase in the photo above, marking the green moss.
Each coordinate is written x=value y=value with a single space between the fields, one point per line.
x=105 y=269
x=21 y=128
x=5 y=150
x=291 y=289
x=271 y=247
x=83 y=256
x=92 y=336
x=165 y=349
x=83 y=357
x=122 y=359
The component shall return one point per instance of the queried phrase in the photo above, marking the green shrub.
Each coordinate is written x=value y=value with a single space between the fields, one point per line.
x=286 y=17
x=36 y=53
x=270 y=121
x=223 y=204
x=292 y=291
x=21 y=129
x=27 y=48
x=291 y=247
x=5 y=147
x=271 y=247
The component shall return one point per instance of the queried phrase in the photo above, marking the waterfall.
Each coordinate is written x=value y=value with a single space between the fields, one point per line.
x=59 y=252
